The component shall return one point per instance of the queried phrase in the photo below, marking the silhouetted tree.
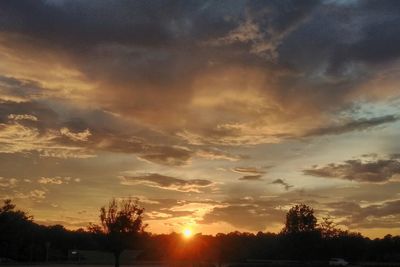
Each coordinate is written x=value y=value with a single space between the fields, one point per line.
x=121 y=222
x=23 y=240
x=328 y=228
x=15 y=230
x=300 y=218
x=300 y=238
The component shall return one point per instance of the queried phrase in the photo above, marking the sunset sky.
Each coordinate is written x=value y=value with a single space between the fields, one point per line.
x=218 y=115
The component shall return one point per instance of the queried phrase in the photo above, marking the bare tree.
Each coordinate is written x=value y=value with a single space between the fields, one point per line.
x=121 y=222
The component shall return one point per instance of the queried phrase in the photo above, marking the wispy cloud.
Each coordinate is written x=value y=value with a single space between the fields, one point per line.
x=8 y=182
x=249 y=173
x=57 y=180
x=167 y=182
x=354 y=125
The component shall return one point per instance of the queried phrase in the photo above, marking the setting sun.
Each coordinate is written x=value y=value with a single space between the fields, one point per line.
x=187 y=233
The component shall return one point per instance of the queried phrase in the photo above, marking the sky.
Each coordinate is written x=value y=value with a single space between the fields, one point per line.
x=217 y=115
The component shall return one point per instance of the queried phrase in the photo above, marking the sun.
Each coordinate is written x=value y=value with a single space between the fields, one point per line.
x=187 y=232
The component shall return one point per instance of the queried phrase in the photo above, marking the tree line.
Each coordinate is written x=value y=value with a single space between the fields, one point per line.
x=121 y=227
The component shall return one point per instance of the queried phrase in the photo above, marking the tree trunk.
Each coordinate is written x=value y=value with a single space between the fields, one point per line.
x=116 y=256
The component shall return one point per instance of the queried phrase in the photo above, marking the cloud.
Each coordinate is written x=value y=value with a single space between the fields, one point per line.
x=32 y=114
x=35 y=195
x=167 y=182
x=360 y=49
x=45 y=180
x=32 y=126
x=238 y=216
x=18 y=117
x=170 y=156
x=16 y=138
x=265 y=26
x=381 y=215
x=355 y=125
x=158 y=154
x=248 y=170
x=16 y=90
x=68 y=222
x=370 y=171
x=57 y=180
x=250 y=173
x=8 y=182
x=151 y=80
x=79 y=136
x=282 y=183
x=251 y=178
x=251 y=215
x=217 y=154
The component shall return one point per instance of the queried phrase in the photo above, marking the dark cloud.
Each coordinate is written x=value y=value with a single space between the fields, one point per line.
x=170 y=156
x=167 y=182
x=372 y=171
x=353 y=34
x=248 y=170
x=251 y=178
x=19 y=90
x=249 y=173
x=355 y=125
x=379 y=38
x=158 y=154
x=282 y=183
x=383 y=215
x=392 y=156
x=267 y=24
x=45 y=116
x=137 y=143
x=154 y=23
x=151 y=61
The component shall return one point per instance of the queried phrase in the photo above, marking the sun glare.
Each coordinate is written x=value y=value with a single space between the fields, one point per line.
x=187 y=233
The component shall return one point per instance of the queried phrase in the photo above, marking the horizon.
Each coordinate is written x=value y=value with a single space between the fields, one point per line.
x=219 y=116
x=190 y=231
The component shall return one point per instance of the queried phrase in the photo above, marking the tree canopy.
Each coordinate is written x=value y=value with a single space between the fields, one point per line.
x=120 y=223
x=299 y=219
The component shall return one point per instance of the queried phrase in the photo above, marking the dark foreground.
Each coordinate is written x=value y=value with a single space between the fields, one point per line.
x=187 y=264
